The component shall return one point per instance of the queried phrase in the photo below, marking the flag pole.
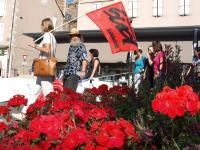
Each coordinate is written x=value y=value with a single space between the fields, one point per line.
x=60 y=26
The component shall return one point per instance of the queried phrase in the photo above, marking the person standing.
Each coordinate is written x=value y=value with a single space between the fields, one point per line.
x=94 y=64
x=149 y=73
x=159 y=64
x=196 y=61
x=76 y=64
x=47 y=48
x=139 y=68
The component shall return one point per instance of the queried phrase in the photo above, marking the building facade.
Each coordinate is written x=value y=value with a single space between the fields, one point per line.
x=154 y=14
x=172 y=22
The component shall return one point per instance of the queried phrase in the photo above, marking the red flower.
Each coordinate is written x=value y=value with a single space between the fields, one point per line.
x=101 y=148
x=4 y=110
x=89 y=146
x=115 y=142
x=102 y=138
x=94 y=90
x=94 y=126
x=119 y=90
x=75 y=138
x=30 y=109
x=176 y=102
x=51 y=125
x=26 y=135
x=58 y=106
x=17 y=101
x=129 y=129
x=98 y=113
x=103 y=89
x=3 y=126
x=79 y=112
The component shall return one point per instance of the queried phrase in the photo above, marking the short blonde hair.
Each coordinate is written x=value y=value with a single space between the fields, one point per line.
x=47 y=25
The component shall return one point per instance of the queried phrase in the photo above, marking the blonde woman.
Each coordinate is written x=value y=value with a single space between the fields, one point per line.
x=47 y=48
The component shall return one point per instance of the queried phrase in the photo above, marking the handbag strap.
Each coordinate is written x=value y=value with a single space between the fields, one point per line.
x=52 y=53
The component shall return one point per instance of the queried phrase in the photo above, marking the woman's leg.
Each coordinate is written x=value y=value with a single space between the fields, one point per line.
x=137 y=81
x=47 y=85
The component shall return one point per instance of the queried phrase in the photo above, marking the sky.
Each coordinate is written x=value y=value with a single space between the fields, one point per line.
x=69 y=1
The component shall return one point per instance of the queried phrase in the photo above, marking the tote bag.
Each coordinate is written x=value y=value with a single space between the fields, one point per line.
x=45 y=66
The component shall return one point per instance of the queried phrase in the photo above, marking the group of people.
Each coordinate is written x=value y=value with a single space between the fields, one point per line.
x=77 y=67
x=151 y=67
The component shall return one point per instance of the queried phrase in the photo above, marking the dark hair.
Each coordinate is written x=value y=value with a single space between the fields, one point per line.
x=94 y=52
x=140 y=50
x=157 y=45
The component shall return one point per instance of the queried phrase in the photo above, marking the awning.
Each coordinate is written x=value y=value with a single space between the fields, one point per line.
x=177 y=33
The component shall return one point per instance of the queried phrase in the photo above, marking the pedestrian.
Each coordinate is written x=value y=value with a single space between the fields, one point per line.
x=94 y=64
x=139 y=68
x=149 y=73
x=47 y=48
x=196 y=61
x=159 y=64
x=77 y=60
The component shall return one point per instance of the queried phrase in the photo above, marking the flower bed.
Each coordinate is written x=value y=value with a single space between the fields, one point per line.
x=102 y=119
x=64 y=121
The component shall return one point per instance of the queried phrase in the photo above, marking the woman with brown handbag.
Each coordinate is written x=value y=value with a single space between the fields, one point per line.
x=47 y=49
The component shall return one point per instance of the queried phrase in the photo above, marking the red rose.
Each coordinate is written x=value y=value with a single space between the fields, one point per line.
x=17 y=101
x=115 y=142
x=98 y=113
x=4 y=110
x=89 y=146
x=102 y=138
x=101 y=148
x=3 y=126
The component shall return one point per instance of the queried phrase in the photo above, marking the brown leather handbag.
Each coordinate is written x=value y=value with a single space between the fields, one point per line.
x=45 y=67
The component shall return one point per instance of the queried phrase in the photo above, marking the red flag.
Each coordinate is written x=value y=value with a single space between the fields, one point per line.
x=114 y=23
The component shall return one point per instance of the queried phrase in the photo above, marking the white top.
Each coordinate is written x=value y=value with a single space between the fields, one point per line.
x=48 y=38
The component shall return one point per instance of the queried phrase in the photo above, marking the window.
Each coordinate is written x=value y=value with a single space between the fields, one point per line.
x=132 y=8
x=1 y=32
x=2 y=7
x=157 y=8
x=184 y=8
x=96 y=6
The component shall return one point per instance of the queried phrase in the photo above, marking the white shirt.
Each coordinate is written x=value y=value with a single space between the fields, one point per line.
x=48 y=38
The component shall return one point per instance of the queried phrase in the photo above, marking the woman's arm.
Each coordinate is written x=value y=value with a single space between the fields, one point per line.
x=96 y=63
x=161 y=63
x=45 y=48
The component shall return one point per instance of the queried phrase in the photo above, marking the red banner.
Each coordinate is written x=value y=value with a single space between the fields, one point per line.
x=114 y=23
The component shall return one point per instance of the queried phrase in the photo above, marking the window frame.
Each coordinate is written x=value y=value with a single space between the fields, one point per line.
x=158 y=8
x=3 y=8
x=184 y=6
x=133 y=9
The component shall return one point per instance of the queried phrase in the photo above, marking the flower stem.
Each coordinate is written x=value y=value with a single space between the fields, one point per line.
x=172 y=130
x=176 y=145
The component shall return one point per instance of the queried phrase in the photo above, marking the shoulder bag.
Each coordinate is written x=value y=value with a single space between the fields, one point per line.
x=46 y=66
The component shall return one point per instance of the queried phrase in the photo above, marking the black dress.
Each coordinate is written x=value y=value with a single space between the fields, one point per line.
x=91 y=67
